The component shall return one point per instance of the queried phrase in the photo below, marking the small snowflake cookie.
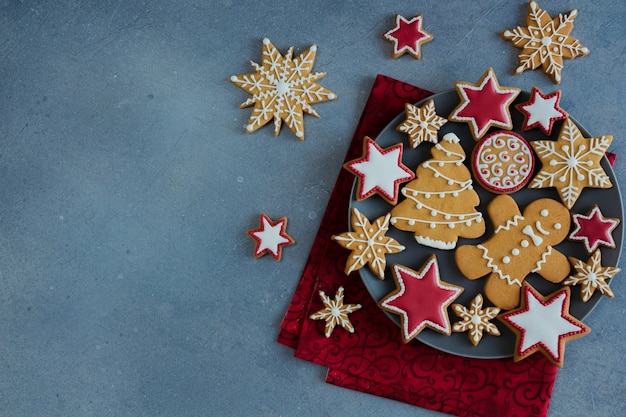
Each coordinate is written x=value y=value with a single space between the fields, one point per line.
x=475 y=320
x=545 y=41
x=421 y=123
x=591 y=276
x=571 y=163
x=503 y=162
x=368 y=243
x=484 y=104
x=270 y=237
x=407 y=36
x=542 y=110
x=335 y=312
x=283 y=88
x=379 y=171
x=543 y=324
x=594 y=230
x=421 y=299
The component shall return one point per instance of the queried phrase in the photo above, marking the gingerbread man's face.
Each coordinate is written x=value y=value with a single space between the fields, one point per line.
x=546 y=222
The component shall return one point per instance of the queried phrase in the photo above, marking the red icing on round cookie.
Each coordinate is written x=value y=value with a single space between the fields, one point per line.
x=594 y=230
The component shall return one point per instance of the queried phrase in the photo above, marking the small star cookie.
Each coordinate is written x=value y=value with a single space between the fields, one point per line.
x=591 y=276
x=571 y=163
x=421 y=123
x=421 y=299
x=484 y=104
x=379 y=171
x=407 y=36
x=283 y=88
x=476 y=320
x=543 y=324
x=270 y=237
x=368 y=243
x=594 y=230
x=335 y=312
x=545 y=41
x=542 y=110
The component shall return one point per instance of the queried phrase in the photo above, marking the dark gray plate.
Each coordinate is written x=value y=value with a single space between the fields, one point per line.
x=415 y=255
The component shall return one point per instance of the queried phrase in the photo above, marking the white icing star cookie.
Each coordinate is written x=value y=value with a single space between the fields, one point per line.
x=270 y=237
x=542 y=110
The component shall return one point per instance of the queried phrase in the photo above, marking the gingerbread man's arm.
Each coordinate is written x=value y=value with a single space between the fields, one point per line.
x=502 y=210
x=559 y=266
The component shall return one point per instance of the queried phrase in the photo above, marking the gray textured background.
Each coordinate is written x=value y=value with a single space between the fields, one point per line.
x=127 y=282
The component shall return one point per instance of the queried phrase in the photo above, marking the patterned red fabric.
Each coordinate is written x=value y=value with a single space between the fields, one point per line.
x=373 y=359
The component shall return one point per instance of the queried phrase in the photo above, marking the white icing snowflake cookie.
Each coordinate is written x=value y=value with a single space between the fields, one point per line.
x=421 y=123
x=475 y=320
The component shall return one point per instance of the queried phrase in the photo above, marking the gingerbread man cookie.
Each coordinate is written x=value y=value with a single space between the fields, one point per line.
x=521 y=244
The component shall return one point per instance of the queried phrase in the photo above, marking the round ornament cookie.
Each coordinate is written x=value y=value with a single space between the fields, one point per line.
x=503 y=162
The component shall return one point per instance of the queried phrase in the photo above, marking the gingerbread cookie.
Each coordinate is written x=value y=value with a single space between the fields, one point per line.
x=484 y=104
x=475 y=320
x=571 y=163
x=270 y=237
x=379 y=171
x=594 y=230
x=407 y=36
x=335 y=312
x=421 y=123
x=440 y=204
x=542 y=110
x=368 y=243
x=503 y=162
x=421 y=299
x=283 y=89
x=545 y=41
x=543 y=324
x=591 y=276
x=521 y=244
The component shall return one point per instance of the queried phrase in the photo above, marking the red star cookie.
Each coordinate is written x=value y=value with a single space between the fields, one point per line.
x=270 y=237
x=484 y=104
x=543 y=324
x=594 y=229
x=542 y=110
x=407 y=36
x=379 y=171
x=421 y=299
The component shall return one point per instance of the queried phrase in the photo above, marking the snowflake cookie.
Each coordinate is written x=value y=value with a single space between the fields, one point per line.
x=484 y=104
x=283 y=89
x=594 y=230
x=379 y=171
x=421 y=299
x=368 y=243
x=407 y=36
x=591 y=276
x=475 y=320
x=270 y=237
x=421 y=123
x=542 y=110
x=571 y=163
x=545 y=41
x=335 y=312
x=543 y=324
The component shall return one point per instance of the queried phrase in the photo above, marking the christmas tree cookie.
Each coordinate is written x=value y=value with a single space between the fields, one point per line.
x=440 y=204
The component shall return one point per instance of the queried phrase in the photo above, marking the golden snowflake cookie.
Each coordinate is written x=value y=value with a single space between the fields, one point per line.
x=475 y=320
x=368 y=244
x=591 y=276
x=283 y=88
x=335 y=312
x=545 y=41
x=421 y=123
x=571 y=163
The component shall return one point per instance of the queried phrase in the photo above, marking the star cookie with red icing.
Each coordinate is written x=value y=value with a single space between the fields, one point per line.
x=407 y=36
x=542 y=110
x=421 y=299
x=379 y=171
x=543 y=324
x=591 y=276
x=594 y=230
x=484 y=104
x=270 y=237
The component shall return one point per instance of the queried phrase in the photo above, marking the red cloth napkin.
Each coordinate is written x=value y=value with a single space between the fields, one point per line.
x=373 y=359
